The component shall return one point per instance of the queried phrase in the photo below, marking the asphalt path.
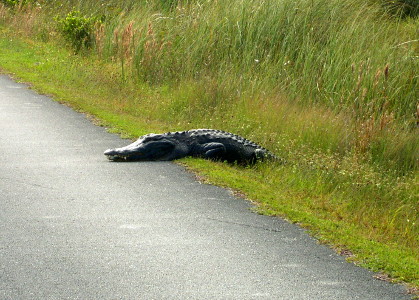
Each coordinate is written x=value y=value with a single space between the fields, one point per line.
x=75 y=226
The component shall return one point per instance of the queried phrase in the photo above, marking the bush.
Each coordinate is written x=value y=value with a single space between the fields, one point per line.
x=10 y=3
x=77 y=29
x=13 y=3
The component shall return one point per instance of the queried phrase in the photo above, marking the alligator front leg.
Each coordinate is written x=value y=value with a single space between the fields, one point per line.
x=213 y=150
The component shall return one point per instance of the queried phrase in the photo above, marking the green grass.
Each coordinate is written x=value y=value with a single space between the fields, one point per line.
x=287 y=75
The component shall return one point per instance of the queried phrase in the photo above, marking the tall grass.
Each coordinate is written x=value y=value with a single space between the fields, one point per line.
x=330 y=52
x=340 y=53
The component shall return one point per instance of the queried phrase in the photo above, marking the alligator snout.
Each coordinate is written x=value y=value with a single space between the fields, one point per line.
x=114 y=154
x=109 y=152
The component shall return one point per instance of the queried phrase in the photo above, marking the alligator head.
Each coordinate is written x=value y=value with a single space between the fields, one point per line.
x=148 y=147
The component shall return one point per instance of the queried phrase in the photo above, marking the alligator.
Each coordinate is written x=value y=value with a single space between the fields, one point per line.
x=205 y=143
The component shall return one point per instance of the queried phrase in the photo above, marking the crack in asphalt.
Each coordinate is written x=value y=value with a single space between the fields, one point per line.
x=244 y=225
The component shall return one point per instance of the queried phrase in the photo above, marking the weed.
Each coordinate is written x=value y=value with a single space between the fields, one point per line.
x=77 y=29
x=14 y=3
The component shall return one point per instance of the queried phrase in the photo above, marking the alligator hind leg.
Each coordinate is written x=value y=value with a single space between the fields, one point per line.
x=213 y=150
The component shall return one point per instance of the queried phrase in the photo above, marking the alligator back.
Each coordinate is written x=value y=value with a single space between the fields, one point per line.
x=237 y=148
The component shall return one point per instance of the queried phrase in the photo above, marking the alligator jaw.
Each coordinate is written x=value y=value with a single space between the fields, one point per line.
x=118 y=154
x=112 y=154
x=132 y=151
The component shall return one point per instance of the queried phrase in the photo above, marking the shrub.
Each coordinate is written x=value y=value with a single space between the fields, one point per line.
x=10 y=3
x=77 y=29
x=13 y=3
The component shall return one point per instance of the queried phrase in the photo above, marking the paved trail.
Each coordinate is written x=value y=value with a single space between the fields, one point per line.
x=75 y=226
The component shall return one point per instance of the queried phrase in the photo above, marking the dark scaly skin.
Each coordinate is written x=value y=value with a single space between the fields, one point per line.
x=205 y=143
